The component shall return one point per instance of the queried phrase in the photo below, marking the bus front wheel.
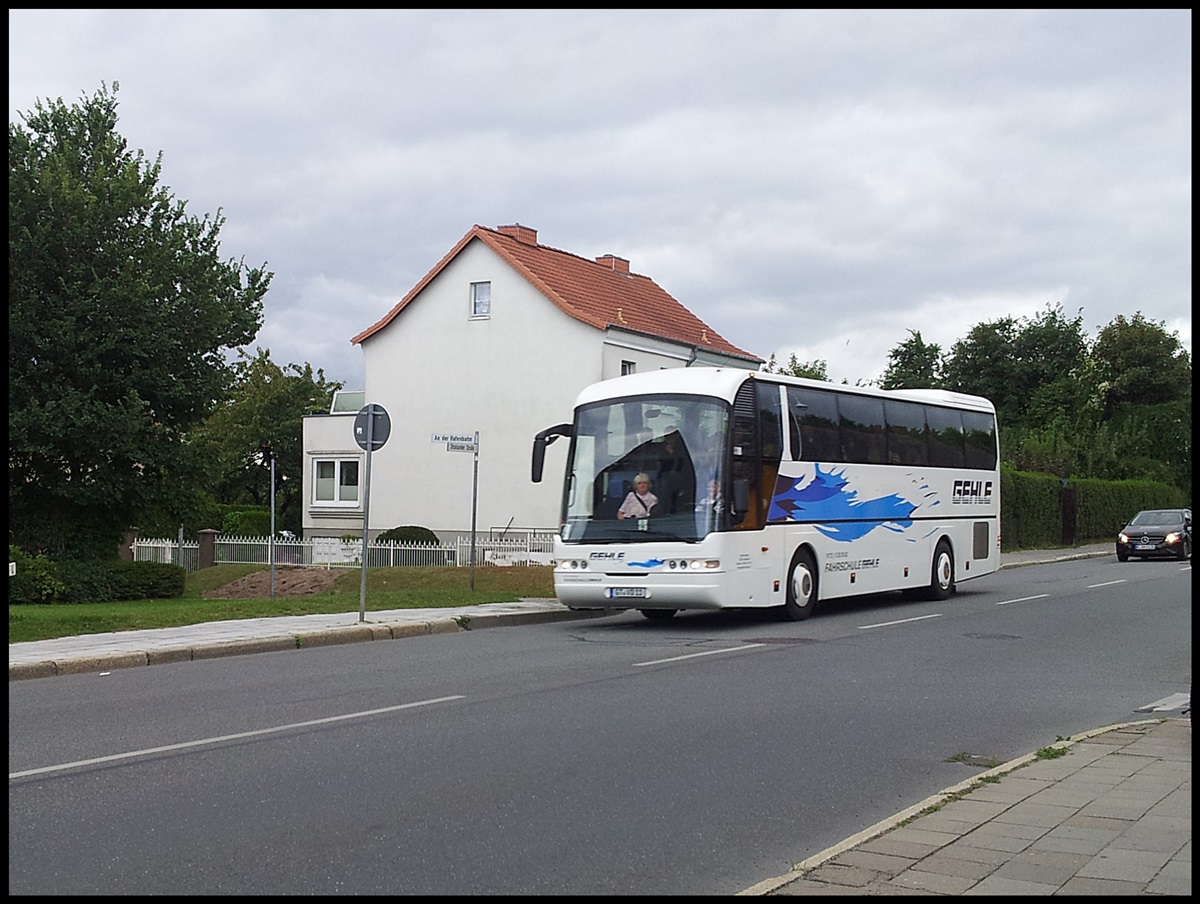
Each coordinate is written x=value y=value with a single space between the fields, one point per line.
x=801 y=587
x=941 y=580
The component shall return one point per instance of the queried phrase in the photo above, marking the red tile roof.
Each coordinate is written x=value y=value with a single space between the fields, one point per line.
x=601 y=293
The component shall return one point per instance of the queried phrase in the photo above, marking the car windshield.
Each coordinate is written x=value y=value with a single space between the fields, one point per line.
x=1157 y=517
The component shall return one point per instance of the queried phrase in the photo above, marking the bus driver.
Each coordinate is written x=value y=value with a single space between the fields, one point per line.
x=640 y=500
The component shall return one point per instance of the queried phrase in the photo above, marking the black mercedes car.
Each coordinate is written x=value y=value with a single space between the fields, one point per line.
x=1156 y=532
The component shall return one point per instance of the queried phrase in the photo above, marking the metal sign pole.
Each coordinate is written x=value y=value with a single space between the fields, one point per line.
x=362 y=587
x=474 y=506
x=272 y=549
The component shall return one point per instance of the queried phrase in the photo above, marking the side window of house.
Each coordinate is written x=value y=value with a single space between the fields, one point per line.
x=335 y=481
x=628 y=367
x=481 y=299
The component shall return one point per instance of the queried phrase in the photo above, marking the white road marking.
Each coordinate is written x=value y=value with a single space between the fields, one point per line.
x=233 y=737
x=903 y=621
x=749 y=646
x=1024 y=599
x=1175 y=701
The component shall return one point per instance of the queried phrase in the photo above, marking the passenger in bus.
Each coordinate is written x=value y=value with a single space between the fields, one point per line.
x=640 y=500
x=713 y=501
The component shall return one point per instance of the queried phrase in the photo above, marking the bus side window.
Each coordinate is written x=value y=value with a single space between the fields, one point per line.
x=863 y=438
x=907 y=434
x=814 y=419
x=746 y=457
x=945 y=437
x=980 y=431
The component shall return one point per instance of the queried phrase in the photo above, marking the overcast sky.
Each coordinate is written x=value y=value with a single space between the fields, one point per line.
x=808 y=182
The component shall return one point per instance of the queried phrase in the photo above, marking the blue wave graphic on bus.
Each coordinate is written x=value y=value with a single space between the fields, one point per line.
x=826 y=498
x=649 y=563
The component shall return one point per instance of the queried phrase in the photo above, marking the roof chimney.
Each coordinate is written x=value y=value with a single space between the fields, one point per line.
x=614 y=263
x=522 y=234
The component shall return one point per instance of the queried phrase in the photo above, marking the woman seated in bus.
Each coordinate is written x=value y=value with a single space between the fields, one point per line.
x=713 y=502
x=640 y=500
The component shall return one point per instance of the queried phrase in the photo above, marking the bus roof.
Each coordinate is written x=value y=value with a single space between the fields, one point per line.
x=723 y=383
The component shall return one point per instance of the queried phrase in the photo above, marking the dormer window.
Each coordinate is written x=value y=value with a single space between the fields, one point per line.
x=481 y=299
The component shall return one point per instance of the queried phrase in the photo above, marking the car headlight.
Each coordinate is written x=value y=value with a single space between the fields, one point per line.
x=1172 y=538
x=1123 y=538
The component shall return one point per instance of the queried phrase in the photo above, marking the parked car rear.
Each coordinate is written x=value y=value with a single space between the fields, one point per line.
x=1156 y=533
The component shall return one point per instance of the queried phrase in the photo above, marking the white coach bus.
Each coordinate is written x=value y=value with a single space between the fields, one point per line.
x=770 y=491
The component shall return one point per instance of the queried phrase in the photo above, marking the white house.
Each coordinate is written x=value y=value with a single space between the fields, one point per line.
x=497 y=339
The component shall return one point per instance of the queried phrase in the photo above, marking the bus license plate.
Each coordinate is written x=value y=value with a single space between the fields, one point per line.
x=636 y=593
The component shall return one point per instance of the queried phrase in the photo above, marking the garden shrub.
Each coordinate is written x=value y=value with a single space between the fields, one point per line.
x=247 y=522
x=109 y=581
x=410 y=533
x=35 y=581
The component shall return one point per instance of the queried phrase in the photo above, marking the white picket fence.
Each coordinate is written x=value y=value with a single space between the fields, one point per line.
x=320 y=552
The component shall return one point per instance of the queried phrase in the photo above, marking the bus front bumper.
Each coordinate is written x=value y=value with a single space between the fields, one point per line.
x=596 y=590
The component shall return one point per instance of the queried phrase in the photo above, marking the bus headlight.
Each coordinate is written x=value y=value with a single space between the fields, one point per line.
x=573 y=564
x=694 y=564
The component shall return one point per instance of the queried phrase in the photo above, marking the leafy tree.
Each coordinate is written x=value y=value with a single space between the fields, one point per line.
x=983 y=364
x=1018 y=362
x=913 y=364
x=812 y=370
x=120 y=314
x=263 y=417
x=1139 y=363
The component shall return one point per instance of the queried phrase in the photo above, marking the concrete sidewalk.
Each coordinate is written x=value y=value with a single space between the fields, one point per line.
x=127 y=649
x=1111 y=816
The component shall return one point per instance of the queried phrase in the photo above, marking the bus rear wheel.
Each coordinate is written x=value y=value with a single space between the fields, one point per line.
x=801 y=587
x=941 y=579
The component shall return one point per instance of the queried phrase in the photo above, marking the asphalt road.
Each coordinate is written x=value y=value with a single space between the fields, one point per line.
x=613 y=755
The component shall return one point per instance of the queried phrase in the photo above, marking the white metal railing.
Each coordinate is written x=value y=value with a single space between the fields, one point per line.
x=322 y=552
x=168 y=552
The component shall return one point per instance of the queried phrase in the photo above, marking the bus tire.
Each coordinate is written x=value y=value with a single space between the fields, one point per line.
x=801 y=587
x=658 y=614
x=941 y=577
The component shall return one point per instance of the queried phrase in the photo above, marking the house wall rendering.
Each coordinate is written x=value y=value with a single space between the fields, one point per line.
x=498 y=339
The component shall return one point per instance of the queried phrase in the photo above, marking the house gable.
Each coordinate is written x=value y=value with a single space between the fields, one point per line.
x=601 y=293
x=501 y=372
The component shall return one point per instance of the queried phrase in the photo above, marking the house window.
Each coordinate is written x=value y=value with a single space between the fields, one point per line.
x=481 y=299
x=628 y=367
x=335 y=481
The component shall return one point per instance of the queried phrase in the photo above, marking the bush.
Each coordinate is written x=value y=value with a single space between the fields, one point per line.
x=408 y=534
x=247 y=522
x=108 y=581
x=421 y=536
x=34 y=581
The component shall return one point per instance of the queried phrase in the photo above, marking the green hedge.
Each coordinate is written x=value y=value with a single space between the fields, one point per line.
x=38 y=580
x=108 y=581
x=1031 y=507
x=247 y=522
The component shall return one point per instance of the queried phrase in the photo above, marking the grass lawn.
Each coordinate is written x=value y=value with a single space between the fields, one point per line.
x=387 y=588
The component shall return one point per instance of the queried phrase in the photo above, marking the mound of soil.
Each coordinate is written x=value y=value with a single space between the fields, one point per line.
x=288 y=582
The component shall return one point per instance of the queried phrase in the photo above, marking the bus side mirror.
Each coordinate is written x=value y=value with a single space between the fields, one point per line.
x=540 y=442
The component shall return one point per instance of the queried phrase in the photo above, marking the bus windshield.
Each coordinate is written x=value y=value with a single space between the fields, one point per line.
x=677 y=444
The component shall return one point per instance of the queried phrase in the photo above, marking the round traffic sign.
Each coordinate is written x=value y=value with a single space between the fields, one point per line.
x=374 y=417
